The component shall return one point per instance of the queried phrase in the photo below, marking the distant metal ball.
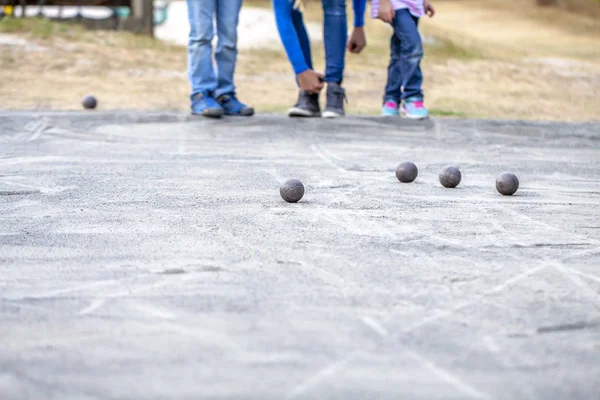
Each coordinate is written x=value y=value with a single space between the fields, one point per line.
x=89 y=102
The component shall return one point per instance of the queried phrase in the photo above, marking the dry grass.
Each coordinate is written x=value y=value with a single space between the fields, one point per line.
x=491 y=59
x=123 y=70
x=587 y=7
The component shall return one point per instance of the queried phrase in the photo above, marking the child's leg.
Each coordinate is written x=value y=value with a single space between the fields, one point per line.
x=228 y=12
x=200 y=68
x=411 y=53
x=302 y=36
x=393 y=87
x=335 y=31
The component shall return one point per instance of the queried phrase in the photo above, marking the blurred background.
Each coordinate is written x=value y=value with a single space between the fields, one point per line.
x=508 y=59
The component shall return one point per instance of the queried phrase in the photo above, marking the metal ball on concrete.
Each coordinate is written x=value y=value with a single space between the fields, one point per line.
x=89 y=102
x=292 y=191
x=407 y=172
x=507 y=183
x=450 y=176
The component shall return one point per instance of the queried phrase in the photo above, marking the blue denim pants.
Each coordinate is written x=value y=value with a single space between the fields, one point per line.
x=335 y=37
x=201 y=73
x=404 y=71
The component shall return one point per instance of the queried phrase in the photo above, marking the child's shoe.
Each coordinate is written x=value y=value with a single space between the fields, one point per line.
x=204 y=104
x=390 y=109
x=336 y=95
x=232 y=106
x=413 y=108
x=307 y=106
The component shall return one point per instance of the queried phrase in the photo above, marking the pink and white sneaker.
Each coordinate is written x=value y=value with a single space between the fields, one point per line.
x=390 y=109
x=413 y=108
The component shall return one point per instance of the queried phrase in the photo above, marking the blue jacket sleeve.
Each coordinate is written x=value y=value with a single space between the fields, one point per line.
x=288 y=35
x=359 y=7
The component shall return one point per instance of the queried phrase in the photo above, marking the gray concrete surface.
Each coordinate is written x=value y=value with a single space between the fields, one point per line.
x=150 y=256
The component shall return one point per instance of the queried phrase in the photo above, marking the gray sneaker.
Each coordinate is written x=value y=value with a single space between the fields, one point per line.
x=335 y=101
x=307 y=106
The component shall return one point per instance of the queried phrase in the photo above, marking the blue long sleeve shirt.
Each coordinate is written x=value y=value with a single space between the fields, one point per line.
x=289 y=37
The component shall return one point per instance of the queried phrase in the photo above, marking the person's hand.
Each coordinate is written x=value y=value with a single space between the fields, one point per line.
x=310 y=81
x=429 y=10
x=386 y=11
x=357 y=41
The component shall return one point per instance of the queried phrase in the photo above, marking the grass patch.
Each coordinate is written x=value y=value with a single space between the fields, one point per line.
x=7 y=59
x=446 y=113
x=445 y=48
x=584 y=7
x=45 y=29
x=37 y=27
x=129 y=40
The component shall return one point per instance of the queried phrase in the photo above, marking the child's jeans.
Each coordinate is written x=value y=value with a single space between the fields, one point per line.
x=201 y=73
x=404 y=71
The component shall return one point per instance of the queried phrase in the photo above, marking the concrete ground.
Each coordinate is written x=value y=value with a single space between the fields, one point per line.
x=149 y=256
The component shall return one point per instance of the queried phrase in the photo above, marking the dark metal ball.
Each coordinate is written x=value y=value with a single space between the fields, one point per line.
x=507 y=183
x=292 y=191
x=450 y=176
x=407 y=172
x=89 y=102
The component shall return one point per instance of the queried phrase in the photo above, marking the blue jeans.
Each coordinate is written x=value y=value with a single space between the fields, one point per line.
x=404 y=71
x=201 y=74
x=335 y=37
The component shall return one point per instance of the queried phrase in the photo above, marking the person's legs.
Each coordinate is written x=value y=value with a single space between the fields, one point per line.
x=226 y=53
x=226 y=56
x=393 y=87
x=335 y=32
x=200 y=69
x=413 y=86
x=411 y=53
x=335 y=38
